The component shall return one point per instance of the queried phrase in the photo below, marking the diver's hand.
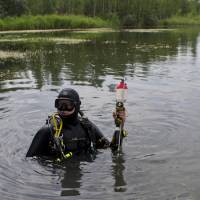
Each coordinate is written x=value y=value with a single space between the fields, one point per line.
x=120 y=117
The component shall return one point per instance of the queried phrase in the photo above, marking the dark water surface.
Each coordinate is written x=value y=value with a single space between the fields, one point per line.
x=161 y=156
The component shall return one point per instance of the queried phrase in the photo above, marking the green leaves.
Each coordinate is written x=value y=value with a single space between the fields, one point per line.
x=128 y=13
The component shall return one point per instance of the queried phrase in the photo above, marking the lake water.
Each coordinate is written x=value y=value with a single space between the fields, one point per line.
x=160 y=159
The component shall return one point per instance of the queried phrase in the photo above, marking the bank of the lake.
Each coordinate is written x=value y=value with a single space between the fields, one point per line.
x=52 y=22
x=49 y=22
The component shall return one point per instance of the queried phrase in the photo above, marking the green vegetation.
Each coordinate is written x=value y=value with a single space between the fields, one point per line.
x=50 y=22
x=182 y=21
x=126 y=13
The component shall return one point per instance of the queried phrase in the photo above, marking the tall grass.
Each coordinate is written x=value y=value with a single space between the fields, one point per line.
x=189 y=20
x=51 y=22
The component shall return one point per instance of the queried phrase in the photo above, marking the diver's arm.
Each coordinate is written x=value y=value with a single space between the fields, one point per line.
x=101 y=141
x=40 y=143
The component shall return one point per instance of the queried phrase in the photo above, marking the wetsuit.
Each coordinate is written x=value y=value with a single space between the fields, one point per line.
x=77 y=138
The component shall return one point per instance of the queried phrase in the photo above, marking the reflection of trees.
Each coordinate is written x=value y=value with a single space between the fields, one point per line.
x=188 y=38
x=113 y=53
x=9 y=68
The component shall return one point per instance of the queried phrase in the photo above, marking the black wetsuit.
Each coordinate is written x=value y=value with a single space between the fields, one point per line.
x=77 y=137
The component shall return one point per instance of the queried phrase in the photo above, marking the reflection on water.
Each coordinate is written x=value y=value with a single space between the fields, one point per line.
x=160 y=157
x=119 y=54
x=118 y=168
x=71 y=181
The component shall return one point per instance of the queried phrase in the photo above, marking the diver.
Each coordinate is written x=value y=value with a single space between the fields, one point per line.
x=68 y=133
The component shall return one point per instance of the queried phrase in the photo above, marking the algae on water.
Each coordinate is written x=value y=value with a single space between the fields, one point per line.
x=11 y=54
x=42 y=39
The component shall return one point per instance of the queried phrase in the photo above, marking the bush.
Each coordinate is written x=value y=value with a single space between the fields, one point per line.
x=51 y=22
x=150 y=21
x=129 y=21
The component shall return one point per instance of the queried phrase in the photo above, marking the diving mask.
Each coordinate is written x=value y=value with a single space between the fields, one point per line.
x=64 y=104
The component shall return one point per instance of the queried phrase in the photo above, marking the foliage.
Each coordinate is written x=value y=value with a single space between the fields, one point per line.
x=181 y=20
x=133 y=13
x=51 y=22
x=12 y=7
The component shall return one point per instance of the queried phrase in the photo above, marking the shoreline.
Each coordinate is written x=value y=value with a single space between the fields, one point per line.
x=89 y=30
x=76 y=23
x=59 y=30
x=100 y=30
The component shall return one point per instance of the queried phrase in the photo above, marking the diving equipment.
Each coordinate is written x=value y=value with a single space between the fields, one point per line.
x=64 y=104
x=120 y=133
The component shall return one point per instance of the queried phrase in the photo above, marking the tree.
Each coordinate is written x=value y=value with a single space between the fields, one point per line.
x=132 y=12
x=184 y=7
x=13 y=7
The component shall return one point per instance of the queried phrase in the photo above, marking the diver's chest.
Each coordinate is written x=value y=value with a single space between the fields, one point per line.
x=74 y=133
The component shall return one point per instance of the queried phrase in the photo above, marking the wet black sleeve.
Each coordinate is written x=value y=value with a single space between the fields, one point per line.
x=101 y=140
x=40 y=143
